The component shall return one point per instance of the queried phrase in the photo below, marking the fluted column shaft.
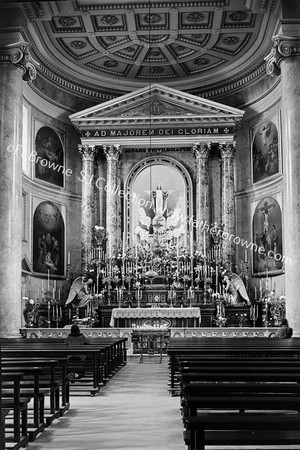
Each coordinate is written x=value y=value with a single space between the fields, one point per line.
x=285 y=59
x=112 y=154
x=227 y=201
x=87 y=218
x=13 y=65
x=201 y=152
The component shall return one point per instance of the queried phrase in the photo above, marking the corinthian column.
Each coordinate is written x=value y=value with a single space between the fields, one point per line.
x=284 y=59
x=15 y=66
x=87 y=219
x=201 y=152
x=227 y=201
x=112 y=153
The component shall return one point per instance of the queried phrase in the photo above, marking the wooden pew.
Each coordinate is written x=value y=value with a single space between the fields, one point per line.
x=225 y=347
x=19 y=407
x=242 y=429
x=51 y=351
x=44 y=381
x=242 y=377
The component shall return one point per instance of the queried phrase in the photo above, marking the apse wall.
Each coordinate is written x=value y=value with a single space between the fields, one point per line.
x=259 y=192
x=51 y=197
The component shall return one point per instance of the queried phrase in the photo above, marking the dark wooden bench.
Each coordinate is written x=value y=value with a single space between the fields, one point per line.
x=227 y=347
x=58 y=351
x=45 y=378
x=212 y=428
x=18 y=409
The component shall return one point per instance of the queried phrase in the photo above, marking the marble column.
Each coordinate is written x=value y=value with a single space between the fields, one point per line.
x=112 y=154
x=16 y=65
x=88 y=154
x=227 y=151
x=201 y=152
x=284 y=59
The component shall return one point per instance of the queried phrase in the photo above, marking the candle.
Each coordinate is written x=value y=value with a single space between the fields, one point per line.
x=48 y=279
x=255 y=293
x=204 y=243
x=69 y=258
x=55 y=285
x=58 y=294
x=246 y=256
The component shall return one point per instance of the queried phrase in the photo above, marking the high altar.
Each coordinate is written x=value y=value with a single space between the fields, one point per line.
x=158 y=243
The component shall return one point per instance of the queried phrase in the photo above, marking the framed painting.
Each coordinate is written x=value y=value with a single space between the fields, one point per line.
x=267 y=236
x=48 y=239
x=265 y=140
x=49 y=157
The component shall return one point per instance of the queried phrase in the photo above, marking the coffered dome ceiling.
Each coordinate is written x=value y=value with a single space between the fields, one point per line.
x=119 y=46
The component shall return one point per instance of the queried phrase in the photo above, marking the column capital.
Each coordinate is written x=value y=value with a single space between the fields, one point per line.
x=201 y=150
x=227 y=149
x=88 y=152
x=283 y=47
x=112 y=152
x=18 y=54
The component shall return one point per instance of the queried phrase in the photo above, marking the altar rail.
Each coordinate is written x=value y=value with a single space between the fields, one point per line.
x=234 y=332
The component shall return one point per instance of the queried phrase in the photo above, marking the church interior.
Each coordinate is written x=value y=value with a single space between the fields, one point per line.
x=149 y=192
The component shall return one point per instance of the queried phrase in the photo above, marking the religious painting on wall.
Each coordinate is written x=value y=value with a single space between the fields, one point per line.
x=267 y=236
x=265 y=150
x=48 y=239
x=159 y=206
x=49 y=157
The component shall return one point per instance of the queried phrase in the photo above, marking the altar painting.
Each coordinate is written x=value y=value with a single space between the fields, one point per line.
x=267 y=235
x=265 y=151
x=159 y=206
x=48 y=239
x=49 y=159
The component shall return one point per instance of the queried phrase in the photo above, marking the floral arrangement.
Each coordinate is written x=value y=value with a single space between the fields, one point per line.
x=241 y=319
x=220 y=321
x=99 y=235
x=276 y=307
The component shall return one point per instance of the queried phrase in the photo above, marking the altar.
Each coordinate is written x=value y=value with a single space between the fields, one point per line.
x=155 y=317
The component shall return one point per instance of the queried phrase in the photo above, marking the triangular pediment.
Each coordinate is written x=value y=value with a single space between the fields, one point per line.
x=156 y=102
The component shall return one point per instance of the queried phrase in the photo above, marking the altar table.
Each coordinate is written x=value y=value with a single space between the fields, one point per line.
x=156 y=313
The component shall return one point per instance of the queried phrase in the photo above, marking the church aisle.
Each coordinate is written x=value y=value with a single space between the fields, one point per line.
x=134 y=411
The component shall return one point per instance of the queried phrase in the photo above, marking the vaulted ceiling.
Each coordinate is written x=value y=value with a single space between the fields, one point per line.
x=119 y=46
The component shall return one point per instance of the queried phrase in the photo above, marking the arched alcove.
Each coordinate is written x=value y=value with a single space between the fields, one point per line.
x=158 y=203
